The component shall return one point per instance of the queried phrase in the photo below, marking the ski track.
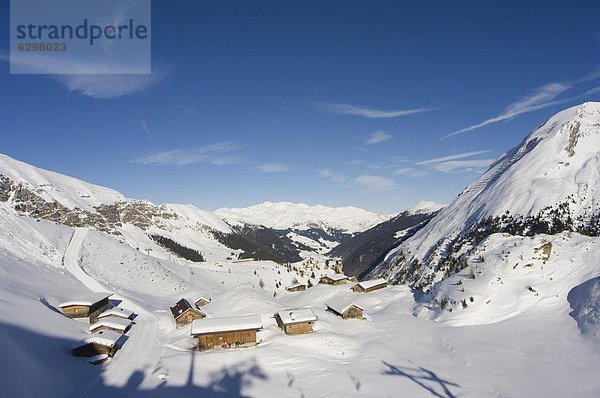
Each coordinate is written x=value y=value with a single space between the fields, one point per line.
x=135 y=355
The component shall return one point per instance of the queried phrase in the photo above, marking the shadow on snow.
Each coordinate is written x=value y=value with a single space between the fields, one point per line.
x=424 y=378
x=38 y=364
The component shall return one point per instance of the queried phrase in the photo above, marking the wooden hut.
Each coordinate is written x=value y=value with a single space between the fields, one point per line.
x=335 y=279
x=345 y=309
x=296 y=321
x=104 y=342
x=113 y=323
x=87 y=307
x=226 y=332
x=298 y=287
x=201 y=301
x=369 y=286
x=184 y=314
x=117 y=312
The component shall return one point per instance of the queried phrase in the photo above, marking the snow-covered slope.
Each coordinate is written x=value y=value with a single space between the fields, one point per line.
x=542 y=288
x=368 y=248
x=299 y=216
x=51 y=186
x=32 y=192
x=547 y=184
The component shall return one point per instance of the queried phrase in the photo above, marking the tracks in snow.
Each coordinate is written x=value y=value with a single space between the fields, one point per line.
x=141 y=351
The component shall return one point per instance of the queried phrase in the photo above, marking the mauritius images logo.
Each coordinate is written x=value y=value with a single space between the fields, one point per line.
x=80 y=37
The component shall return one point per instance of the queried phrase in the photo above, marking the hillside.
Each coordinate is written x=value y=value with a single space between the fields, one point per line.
x=45 y=195
x=314 y=229
x=367 y=249
x=509 y=309
x=547 y=184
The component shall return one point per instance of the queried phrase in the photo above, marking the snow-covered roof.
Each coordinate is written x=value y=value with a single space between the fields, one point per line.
x=180 y=307
x=295 y=286
x=87 y=299
x=336 y=277
x=103 y=337
x=372 y=283
x=297 y=316
x=112 y=322
x=202 y=298
x=340 y=305
x=212 y=325
x=116 y=311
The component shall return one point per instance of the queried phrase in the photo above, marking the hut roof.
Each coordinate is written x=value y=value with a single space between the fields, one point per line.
x=230 y=324
x=87 y=299
x=372 y=283
x=112 y=322
x=295 y=285
x=203 y=299
x=297 y=316
x=336 y=277
x=116 y=311
x=340 y=305
x=179 y=308
x=103 y=337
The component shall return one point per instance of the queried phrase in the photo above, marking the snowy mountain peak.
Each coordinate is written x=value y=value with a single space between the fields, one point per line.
x=425 y=207
x=547 y=184
x=284 y=215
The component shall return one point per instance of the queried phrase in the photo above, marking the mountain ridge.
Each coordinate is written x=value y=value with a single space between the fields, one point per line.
x=543 y=185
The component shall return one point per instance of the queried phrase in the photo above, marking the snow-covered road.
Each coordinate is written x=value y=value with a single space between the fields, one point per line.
x=139 y=352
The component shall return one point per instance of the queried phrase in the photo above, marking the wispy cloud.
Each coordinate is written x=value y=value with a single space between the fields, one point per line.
x=453 y=157
x=462 y=166
x=274 y=168
x=186 y=109
x=145 y=127
x=543 y=97
x=333 y=177
x=347 y=109
x=379 y=137
x=458 y=163
x=217 y=154
x=375 y=183
x=89 y=82
x=110 y=86
x=410 y=172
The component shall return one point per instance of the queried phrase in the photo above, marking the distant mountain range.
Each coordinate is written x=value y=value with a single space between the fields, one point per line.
x=283 y=232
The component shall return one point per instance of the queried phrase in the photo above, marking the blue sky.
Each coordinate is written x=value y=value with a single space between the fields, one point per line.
x=372 y=104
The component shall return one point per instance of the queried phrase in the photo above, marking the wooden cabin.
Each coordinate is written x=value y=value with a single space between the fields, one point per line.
x=113 y=323
x=345 y=309
x=201 y=301
x=87 y=307
x=184 y=314
x=335 y=279
x=226 y=332
x=298 y=287
x=296 y=321
x=117 y=312
x=104 y=342
x=369 y=286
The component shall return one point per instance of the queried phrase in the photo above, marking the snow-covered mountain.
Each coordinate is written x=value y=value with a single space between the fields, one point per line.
x=299 y=216
x=312 y=228
x=61 y=238
x=368 y=248
x=546 y=185
x=163 y=229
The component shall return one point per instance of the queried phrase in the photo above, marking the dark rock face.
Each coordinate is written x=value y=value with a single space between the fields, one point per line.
x=367 y=249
